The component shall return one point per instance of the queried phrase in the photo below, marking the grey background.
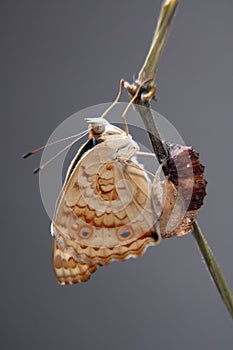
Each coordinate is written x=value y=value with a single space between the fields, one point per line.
x=58 y=57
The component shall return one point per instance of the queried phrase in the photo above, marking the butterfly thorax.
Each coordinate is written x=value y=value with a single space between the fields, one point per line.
x=121 y=147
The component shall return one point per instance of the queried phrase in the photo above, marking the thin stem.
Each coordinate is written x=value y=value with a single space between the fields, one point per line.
x=214 y=268
x=148 y=119
x=150 y=66
x=148 y=72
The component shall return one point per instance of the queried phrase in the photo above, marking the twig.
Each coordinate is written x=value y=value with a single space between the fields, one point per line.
x=214 y=268
x=154 y=135
x=150 y=66
x=147 y=73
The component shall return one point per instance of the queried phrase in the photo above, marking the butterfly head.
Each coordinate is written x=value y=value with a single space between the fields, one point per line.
x=101 y=129
x=97 y=126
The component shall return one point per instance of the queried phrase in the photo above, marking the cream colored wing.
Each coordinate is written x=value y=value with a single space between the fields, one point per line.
x=104 y=212
x=67 y=269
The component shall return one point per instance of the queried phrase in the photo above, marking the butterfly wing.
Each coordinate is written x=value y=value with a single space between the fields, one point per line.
x=104 y=212
x=67 y=269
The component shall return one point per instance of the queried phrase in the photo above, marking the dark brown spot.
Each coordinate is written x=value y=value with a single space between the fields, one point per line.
x=65 y=264
x=58 y=262
x=82 y=246
x=71 y=262
x=109 y=167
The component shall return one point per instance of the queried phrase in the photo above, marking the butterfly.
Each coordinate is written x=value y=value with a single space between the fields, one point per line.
x=109 y=209
x=104 y=212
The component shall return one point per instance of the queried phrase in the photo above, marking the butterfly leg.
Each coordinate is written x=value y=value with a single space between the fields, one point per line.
x=148 y=154
x=116 y=100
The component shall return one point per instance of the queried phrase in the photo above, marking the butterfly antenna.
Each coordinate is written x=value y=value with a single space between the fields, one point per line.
x=79 y=136
x=131 y=102
x=122 y=82
x=58 y=154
